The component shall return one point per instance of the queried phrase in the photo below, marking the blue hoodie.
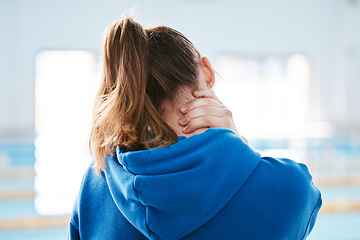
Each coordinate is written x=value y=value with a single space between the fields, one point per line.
x=208 y=186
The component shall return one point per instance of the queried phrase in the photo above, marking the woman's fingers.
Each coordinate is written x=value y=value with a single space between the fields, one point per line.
x=204 y=121
x=210 y=111
x=199 y=102
x=206 y=111
x=209 y=121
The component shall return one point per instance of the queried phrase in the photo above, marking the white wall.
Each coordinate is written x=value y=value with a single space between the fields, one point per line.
x=326 y=30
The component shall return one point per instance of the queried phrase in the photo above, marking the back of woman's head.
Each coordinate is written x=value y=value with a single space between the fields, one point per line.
x=141 y=68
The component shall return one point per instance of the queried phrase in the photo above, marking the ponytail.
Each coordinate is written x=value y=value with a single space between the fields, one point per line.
x=124 y=115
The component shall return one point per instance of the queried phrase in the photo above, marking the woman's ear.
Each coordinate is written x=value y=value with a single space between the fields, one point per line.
x=208 y=72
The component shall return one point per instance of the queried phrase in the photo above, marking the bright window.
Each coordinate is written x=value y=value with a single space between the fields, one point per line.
x=65 y=86
x=269 y=95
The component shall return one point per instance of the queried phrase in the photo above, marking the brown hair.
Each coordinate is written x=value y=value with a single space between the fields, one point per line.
x=141 y=68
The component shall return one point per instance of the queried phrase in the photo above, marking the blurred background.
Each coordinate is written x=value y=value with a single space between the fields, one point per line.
x=288 y=70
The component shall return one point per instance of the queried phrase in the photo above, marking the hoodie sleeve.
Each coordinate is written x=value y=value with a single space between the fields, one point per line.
x=313 y=217
x=299 y=198
x=73 y=229
x=73 y=232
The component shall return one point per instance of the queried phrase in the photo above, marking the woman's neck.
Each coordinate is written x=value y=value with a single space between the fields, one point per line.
x=171 y=113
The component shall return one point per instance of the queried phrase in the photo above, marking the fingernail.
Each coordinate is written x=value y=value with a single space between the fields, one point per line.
x=182 y=121
x=185 y=129
x=183 y=109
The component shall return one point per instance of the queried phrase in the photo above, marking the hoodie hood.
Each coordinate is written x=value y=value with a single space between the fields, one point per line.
x=168 y=192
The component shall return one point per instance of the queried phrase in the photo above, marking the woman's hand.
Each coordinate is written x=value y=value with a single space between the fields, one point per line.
x=206 y=111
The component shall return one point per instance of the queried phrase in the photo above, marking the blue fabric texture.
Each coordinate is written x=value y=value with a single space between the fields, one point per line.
x=208 y=186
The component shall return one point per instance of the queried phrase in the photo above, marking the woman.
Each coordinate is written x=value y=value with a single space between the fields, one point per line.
x=169 y=163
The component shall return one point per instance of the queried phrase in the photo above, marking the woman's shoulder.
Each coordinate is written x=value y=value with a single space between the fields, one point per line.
x=291 y=181
x=283 y=189
x=287 y=170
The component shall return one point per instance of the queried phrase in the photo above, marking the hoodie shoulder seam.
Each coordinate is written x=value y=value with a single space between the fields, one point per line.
x=146 y=209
